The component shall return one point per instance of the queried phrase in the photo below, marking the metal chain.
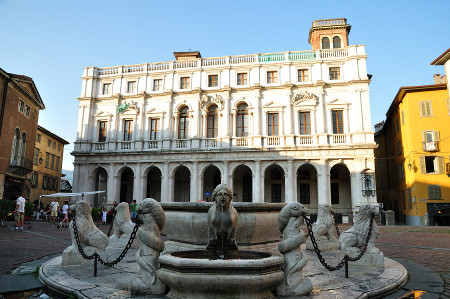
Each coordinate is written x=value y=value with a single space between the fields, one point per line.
x=335 y=224
x=112 y=222
x=316 y=249
x=122 y=255
x=346 y=257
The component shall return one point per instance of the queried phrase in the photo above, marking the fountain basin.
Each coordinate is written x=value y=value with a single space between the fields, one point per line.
x=187 y=225
x=247 y=274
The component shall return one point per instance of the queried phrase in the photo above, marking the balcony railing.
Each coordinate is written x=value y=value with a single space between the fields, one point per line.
x=273 y=140
x=338 y=139
x=126 y=145
x=432 y=146
x=226 y=61
x=20 y=166
x=241 y=141
x=305 y=140
x=153 y=144
x=211 y=142
x=181 y=143
x=100 y=146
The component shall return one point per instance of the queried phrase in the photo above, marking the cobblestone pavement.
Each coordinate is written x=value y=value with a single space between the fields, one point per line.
x=427 y=246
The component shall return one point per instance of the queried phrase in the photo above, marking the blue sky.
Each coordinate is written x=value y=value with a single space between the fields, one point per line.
x=51 y=41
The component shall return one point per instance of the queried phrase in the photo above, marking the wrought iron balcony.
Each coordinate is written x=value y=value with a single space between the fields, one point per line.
x=20 y=166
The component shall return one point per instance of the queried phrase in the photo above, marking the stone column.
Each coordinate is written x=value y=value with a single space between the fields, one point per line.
x=165 y=194
x=194 y=197
x=257 y=194
x=323 y=183
x=290 y=194
x=110 y=185
x=226 y=175
x=137 y=184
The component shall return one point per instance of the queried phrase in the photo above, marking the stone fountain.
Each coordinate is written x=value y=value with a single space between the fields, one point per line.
x=220 y=271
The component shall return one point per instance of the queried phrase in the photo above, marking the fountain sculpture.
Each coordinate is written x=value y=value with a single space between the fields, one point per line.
x=324 y=230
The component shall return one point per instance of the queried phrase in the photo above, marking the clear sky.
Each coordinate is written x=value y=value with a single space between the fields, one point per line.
x=51 y=41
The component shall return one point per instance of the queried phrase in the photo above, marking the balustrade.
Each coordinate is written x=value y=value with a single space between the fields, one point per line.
x=273 y=140
x=133 y=68
x=99 y=146
x=211 y=142
x=242 y=59
x=333 y=53
x=214 y=61
x=181 y=143
x=158 y=66
x=152 y=144
x=126 y=145
x=338 y=138
x=305 y=140
x=241 y=141
x=185 y=64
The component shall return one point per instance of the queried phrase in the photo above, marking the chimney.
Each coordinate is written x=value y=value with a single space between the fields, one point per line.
x=438 y=79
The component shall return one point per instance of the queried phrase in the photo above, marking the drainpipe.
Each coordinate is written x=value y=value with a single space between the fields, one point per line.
x=2 y=111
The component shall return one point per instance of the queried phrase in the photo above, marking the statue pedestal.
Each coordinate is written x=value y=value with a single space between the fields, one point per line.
x=373 y=260
x=323 y=245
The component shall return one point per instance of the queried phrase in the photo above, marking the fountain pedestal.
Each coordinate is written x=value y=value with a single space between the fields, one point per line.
x=190 y=274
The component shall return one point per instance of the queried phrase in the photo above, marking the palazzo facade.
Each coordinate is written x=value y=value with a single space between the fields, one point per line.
x=275 y=127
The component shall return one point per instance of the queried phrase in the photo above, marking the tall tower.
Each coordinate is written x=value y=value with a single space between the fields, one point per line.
x=329 y=34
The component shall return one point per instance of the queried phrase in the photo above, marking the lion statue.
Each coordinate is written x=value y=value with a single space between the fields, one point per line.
x=289 y=220
x=323 y=228
x=354 y=239
x=122 y=228
x=153 y=219
x=222 y=220
x=91 y=238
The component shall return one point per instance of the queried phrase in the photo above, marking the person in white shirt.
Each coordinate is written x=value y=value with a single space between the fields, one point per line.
x=65 y=211
x=55 y=208
x=19 y=211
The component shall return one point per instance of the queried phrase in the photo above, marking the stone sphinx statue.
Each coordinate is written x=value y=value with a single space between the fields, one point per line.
x=152 y=216
x=222 y=222
x=324 y=230
x=353 y=240
x=122 y=228
x=91 y=238
x=289 y=220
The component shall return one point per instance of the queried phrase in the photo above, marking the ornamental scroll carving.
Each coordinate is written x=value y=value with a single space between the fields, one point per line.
x=302 y=96
x=216 y=99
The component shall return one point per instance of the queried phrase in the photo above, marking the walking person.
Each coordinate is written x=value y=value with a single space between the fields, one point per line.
x=133 y=211
x=65 y=211
x=19 y=211
x=55 y=208
x=105 y=212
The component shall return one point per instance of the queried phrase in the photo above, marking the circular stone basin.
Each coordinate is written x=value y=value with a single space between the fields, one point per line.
x=187 y=224
x=246 y=274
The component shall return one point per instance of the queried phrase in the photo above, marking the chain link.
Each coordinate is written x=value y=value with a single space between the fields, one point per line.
x=346 y=257
x=108 y=264
x=335 y=224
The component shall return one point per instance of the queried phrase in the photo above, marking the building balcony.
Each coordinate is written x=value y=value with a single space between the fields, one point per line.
x=432 y=146
x=20 y=166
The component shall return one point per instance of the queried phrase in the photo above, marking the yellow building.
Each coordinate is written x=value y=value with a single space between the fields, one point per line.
x=413 y=154
x=47 y=165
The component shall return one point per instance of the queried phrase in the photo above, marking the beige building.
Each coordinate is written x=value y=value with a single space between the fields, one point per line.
x=47 y=164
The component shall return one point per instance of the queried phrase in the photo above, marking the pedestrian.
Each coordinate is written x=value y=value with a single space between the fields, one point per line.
x=105 y=212
x=54 y=210
x=65 y=211
x=133 y=211
x=19 y=211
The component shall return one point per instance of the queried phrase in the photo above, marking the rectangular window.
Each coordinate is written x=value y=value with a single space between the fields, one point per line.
x=49 y=143
x=57 y=163
x=36 y=156
x=399 y=147
x=408 y=192
x=303 y=75
x=242 y=79
x=38 y=138
x=47 y=160
x=54 y=145
x=106 y=88
x=157 y=85
x=154 y=128
x=400 y=172
x=131 y=87
x=305 y=193
x=272 y=124
x=335 y=73
x=21 y=106
x=27 y=111
x=434 y=192
x=338 y=121
x=102 y=131
x=212 y=125
x=426 y=109
x=305 y=123
x=44 y=182
x=213 y=80
x=52 y=163
x=430 y=164
x=59 y=147
x=127 y=130
x=272 y=77
x=334 y=193
x=34 y=179
x=185 y=83
x=430 y=140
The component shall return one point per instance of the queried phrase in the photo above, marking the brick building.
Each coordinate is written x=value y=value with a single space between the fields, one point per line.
x=19 y=113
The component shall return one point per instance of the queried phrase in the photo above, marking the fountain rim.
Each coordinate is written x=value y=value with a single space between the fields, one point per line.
x=239 y=206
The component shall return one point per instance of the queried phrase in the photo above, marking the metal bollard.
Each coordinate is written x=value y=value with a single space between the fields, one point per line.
x=95 y=266
x=346 y=268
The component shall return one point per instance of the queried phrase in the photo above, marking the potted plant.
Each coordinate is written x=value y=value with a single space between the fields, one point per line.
x=6 y=207
x=29 y=210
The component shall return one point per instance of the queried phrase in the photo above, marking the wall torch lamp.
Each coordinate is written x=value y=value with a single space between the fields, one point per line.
x=411 y=164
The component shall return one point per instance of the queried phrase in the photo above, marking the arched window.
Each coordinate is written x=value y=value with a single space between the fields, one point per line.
x=212 y=122
x=23 y=144
x=15 y=147
x=325 y=43
x=183 y=123
x=336 y=42
x=242 y=120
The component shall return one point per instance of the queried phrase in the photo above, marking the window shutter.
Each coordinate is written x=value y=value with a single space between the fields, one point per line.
x=436 y=136
x=423 y=169
x=422 y=109
x=424 y=136
x=430 y=191
x=441 y=164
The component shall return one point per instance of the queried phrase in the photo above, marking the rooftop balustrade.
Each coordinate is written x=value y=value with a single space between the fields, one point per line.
x=226 y=61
